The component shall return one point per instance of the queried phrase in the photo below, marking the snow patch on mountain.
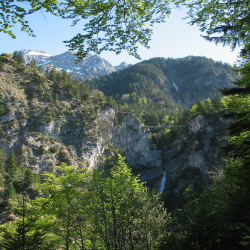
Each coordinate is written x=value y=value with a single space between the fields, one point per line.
x=37 y=53
x=89 y=67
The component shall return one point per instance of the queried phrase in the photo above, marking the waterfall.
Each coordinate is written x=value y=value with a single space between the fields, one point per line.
x=175 y=86
x=162 y=182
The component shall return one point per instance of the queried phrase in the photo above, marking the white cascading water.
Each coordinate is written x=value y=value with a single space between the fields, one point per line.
x=162 y=182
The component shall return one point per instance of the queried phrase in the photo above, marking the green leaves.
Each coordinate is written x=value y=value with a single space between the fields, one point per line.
x=224 y=21
x=126 y=214
x=28 y=231
x=111 y=210
x=111 y=25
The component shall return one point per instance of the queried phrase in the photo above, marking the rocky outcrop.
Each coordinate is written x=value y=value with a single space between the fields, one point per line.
x=78 y=132
x=39 y=55
x=91 y=66
x=132 y=137
x=192 y=155
x=44 y=133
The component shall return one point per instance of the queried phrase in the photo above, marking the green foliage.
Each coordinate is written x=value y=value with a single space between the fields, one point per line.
x=28 y=178
x=121 y=27
x=33 y=64
x=3 y=108
x=223 y=21
x=220 y=218
x=61 y=201
x=84 y=210
x=53 y=74
x=238 y=149
x=3 y=159
x=142 y=90
x=208 y=106
x=10 y=55
x=165 y=137
x=9 y=193
x=18 y=56
x=125 y=214
x=12 y=165
x=27 y=232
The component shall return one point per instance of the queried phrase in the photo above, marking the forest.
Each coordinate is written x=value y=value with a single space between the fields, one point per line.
x=80 y=209
x=147 y=90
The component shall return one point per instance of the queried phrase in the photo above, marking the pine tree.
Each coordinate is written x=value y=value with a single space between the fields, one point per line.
x=28 y=178
x=12 y=164
x=237 y=171
x=15 y=55
x=28 y=232
x=3 y=159
x=33 y=64
x=52 y=74
x=9 y=193
x=18 y=57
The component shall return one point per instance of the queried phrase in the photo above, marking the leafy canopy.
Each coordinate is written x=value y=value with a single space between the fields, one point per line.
x=111 y=25
x=224 y=21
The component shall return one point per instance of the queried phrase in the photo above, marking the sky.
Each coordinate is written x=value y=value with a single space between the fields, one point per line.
x=175 y=38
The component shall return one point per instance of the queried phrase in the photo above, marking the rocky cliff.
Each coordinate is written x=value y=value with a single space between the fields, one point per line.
x=132 y=137
x=44 y=132
x=189 y=158
x=47 y=123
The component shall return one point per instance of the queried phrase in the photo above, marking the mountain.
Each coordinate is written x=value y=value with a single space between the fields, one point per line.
x=122 y=65
x=39 y=55
x=46 y=123
x=185 y=80
x=89 y=67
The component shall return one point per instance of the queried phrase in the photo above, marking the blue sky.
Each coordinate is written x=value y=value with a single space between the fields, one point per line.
x=174 y=38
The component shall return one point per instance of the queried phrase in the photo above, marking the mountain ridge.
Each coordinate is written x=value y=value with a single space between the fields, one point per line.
x=185 y=79
x=91 y=66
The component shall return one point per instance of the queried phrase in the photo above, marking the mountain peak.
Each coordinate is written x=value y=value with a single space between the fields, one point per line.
x=122 y=66
x=91 y=66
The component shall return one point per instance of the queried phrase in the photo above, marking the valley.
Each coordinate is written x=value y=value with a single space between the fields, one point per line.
x=169 y=141
x=46 y=122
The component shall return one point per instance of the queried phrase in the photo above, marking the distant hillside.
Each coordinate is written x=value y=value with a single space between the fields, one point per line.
x=186 y=80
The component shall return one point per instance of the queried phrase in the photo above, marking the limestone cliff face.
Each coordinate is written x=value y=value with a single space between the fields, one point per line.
x=44 y=145
x=44 y=133
x=131 y=135
x=195 y=152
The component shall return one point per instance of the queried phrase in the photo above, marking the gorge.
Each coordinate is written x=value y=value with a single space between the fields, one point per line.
x=47 y=122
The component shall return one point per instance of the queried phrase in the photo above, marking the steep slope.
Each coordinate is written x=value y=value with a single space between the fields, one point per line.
x=185 y=80
x=140 y=89
x=188 y=159
x=46 y=123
